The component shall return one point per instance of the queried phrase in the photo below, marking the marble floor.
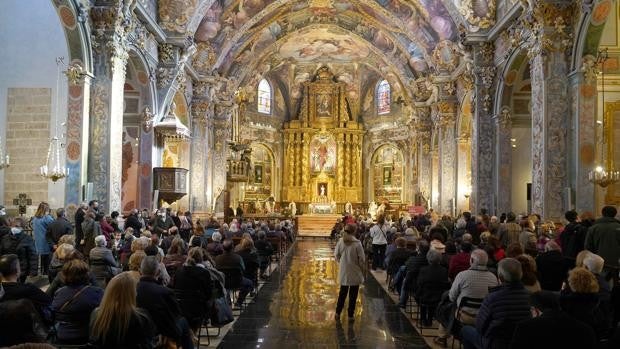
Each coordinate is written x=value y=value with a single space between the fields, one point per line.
x=296 y=310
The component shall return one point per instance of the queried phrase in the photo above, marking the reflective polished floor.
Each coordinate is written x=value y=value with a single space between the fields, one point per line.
x=296 y=310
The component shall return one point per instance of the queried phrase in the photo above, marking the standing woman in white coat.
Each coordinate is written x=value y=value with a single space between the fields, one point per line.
x=351 y=261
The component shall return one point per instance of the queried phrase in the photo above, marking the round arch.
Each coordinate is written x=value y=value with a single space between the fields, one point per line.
x=387 y=174
x=74 y=21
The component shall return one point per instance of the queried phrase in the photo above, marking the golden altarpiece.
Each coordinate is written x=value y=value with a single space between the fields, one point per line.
x=323 y=147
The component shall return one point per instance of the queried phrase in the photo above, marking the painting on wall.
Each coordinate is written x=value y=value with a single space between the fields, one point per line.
x=387 y=175
x=323 y=153
x=323 y=104
x=258 y=174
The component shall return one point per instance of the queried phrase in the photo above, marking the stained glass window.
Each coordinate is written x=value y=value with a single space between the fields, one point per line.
x=383 y=97
x=264 y=97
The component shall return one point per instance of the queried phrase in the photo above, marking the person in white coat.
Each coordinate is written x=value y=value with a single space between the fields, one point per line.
x=379 y=232
x=351 y=261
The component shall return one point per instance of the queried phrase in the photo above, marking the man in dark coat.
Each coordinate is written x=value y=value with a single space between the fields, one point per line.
x=412 y=270
x=14 y=290
x=22 y=245
x=133 y=222
x=432 y=282
x=573 y=236
x=79 y=219
x=502 y=309
x=230 y=260
x=161 y=304
x=59 y=227
x=603 y=237
x=162 y=224
x=552 y=267
x=399 y=256
x=536 y=333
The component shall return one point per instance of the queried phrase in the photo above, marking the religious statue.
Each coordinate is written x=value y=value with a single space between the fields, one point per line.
x=268 y=207
x=433 y=97
x=322 y=190
x=372 y=210
x=348 y=208
x=293 y=208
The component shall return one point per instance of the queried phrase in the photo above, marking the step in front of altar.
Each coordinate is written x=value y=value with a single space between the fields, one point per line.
x=316 y=225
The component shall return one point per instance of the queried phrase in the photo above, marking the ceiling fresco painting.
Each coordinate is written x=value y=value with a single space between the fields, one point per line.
x=362 y=41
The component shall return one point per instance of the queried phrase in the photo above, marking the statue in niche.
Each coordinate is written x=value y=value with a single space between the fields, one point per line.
x=293 y=208
x=322 y=190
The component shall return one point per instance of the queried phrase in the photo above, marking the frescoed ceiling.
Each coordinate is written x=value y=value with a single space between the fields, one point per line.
x=238 y=38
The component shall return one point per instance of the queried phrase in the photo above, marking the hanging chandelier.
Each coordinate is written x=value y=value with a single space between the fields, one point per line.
x=604 y=175
x=53 y=169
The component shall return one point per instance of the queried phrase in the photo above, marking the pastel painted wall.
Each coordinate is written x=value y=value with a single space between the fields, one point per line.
x=31 y=38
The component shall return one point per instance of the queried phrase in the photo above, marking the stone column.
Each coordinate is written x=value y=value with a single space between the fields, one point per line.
x=463 y=179
x=550 y=110
x=447 y=156
x=582 y=89
x=111 y=27
x=424 y=164
x=435 y=174
x=482 y=164
x=77 y=141
x=503 y=127
x=199 y=148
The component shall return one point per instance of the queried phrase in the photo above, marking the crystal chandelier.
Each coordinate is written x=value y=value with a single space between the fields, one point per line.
x=604 y=176
x=4 y=157
x=53 y=168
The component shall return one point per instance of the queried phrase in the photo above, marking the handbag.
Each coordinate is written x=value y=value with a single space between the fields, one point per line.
x=221 y=312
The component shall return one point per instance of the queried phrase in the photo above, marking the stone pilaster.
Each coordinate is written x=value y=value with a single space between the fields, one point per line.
x=503 y=128
x=199 y=149
x=482 y=197
x=582 y=89
x=111 y=24
x=547 y=50
x=447 y=156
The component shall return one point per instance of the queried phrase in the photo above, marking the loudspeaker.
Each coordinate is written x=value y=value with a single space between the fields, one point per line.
x=87 y=191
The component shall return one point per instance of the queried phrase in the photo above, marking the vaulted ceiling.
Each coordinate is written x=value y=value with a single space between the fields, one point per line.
x=392 y=39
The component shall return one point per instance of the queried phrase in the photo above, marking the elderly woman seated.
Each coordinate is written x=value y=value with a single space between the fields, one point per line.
x=102 y=263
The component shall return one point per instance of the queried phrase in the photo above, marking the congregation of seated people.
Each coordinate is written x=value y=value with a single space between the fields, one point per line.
x=127 y=282
x=512 y=281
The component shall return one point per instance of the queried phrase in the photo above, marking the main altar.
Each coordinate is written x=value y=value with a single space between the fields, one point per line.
x=323 y=148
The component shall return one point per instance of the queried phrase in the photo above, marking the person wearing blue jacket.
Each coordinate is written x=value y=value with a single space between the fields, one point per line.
x=40 y=222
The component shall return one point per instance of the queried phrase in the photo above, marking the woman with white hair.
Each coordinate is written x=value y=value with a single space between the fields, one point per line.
x=215 y=248
x=102 y=262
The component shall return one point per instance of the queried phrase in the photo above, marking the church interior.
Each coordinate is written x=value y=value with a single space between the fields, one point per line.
x=314 y=114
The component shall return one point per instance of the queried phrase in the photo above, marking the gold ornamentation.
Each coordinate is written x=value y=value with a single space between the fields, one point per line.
x=590 y=69
x=478 y=22
x=75 y=72
x=445 y=55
